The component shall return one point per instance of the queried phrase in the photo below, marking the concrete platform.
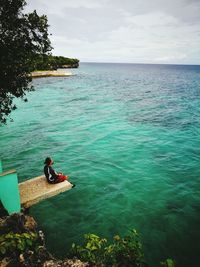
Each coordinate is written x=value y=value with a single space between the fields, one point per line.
x=36 y=189
x=51 y=73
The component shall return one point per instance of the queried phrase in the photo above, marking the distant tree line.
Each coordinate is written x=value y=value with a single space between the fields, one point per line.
x=49 y=62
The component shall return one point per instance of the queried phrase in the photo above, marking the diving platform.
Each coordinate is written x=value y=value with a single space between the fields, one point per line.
x=36 y=189
x=15 y=196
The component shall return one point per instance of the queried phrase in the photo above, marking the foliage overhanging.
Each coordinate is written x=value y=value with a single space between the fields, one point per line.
x=22 y=38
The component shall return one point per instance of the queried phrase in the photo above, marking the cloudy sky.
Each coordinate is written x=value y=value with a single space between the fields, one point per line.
x=133 y=31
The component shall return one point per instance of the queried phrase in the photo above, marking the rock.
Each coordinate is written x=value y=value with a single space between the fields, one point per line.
x=75 y=65
x=75 y=263
x=65 y=263
x=50 y=263
x=40 y=257
x=30 y=223
x=17 y=223
x=43 y=254
x=3 y=211
x=5 y=262
x=13 y=223
x=21 y=258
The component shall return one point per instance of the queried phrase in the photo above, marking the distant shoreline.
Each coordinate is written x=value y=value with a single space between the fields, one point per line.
x=50 y=73
x=131 y=63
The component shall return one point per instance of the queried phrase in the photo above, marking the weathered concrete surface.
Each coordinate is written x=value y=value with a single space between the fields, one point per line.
x=34 y=190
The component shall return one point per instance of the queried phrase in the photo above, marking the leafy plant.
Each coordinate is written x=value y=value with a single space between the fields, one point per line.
x=126 y=252
x=17 y=243
x=92 y=249
x=168 y=263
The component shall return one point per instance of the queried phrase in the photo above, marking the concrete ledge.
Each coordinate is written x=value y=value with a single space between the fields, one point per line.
x=34 y=190
x=50 y=73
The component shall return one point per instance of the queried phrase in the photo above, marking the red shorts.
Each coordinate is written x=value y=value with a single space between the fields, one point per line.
x=61 y=178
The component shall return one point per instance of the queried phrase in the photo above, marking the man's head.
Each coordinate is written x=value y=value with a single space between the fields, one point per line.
x=48 y=161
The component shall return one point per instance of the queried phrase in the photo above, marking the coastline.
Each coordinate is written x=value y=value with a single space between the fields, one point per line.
x=23 y=244
x=51 y=73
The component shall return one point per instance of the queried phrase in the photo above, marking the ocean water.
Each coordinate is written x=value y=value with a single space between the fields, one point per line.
x=128 y=135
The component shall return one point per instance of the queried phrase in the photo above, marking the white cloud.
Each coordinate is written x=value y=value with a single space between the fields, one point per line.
x=58 y=7
x=128 y=31
x=154 y=19
x=171 y=58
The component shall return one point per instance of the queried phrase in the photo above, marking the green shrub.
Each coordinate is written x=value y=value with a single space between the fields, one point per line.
x=17 y=243
x=126 y=252
x=92 y=249
x=49 y=62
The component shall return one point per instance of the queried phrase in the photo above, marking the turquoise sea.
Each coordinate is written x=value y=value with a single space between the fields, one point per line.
x=128 y=135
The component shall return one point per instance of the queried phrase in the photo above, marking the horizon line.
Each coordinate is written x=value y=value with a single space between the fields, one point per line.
x=141 y=63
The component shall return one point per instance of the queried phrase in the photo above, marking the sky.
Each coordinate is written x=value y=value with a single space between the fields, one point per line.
x=129 y=31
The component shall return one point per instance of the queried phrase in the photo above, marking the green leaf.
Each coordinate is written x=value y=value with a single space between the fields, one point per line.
x=2 y=250
x=26 y=235
x=20 y=246
x=29 y=242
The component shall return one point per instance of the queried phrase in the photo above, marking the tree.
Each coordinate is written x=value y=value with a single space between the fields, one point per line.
x=22 y=38
x=50 y=62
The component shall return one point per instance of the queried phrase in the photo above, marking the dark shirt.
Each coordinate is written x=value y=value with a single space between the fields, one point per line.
x=50 y=174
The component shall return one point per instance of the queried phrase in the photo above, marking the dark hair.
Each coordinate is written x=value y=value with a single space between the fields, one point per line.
x=47 y=161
